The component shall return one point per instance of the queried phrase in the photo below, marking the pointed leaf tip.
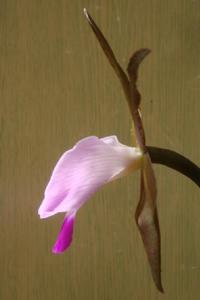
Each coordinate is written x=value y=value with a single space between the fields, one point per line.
x=135 y=61
x=85 y=12
x=87 y=15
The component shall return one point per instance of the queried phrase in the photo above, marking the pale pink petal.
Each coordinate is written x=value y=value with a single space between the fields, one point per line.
x=65 y=235
x=81 y=171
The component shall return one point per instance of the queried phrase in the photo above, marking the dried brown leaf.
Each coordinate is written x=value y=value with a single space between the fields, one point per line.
x=147 y=220
x=109 y=54
x=132 y=70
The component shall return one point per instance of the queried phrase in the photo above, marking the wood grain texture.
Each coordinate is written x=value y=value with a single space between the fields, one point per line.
x=55 y=88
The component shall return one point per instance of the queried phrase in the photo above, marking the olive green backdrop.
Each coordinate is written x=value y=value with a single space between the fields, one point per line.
x=57 y=87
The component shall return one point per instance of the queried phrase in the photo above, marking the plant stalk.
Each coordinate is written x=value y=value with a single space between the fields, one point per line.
x=175 y=161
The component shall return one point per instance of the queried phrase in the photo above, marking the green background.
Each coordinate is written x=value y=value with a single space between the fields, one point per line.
x=57 y=87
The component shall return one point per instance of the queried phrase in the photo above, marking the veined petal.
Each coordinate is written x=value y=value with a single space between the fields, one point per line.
x=81 y=171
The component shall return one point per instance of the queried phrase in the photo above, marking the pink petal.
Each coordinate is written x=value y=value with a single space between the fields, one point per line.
x=65 y=235
x=81 y=171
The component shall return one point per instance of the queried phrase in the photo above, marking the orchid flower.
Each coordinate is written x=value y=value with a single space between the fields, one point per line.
x=94 y=162
x=79 y=173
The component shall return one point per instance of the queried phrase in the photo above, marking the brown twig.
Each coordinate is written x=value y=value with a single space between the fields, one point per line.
x=175 y=161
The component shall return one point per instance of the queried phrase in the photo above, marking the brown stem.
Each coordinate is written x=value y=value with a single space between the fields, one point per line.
x=175 y=161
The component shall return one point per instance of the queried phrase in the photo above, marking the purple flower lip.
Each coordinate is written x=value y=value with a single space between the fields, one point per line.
x=65 y=235
x=79 y=173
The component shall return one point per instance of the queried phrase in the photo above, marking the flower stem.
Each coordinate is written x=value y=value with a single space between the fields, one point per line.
x=175 y=161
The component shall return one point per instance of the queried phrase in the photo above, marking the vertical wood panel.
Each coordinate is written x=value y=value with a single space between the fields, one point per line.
x=55 y=88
